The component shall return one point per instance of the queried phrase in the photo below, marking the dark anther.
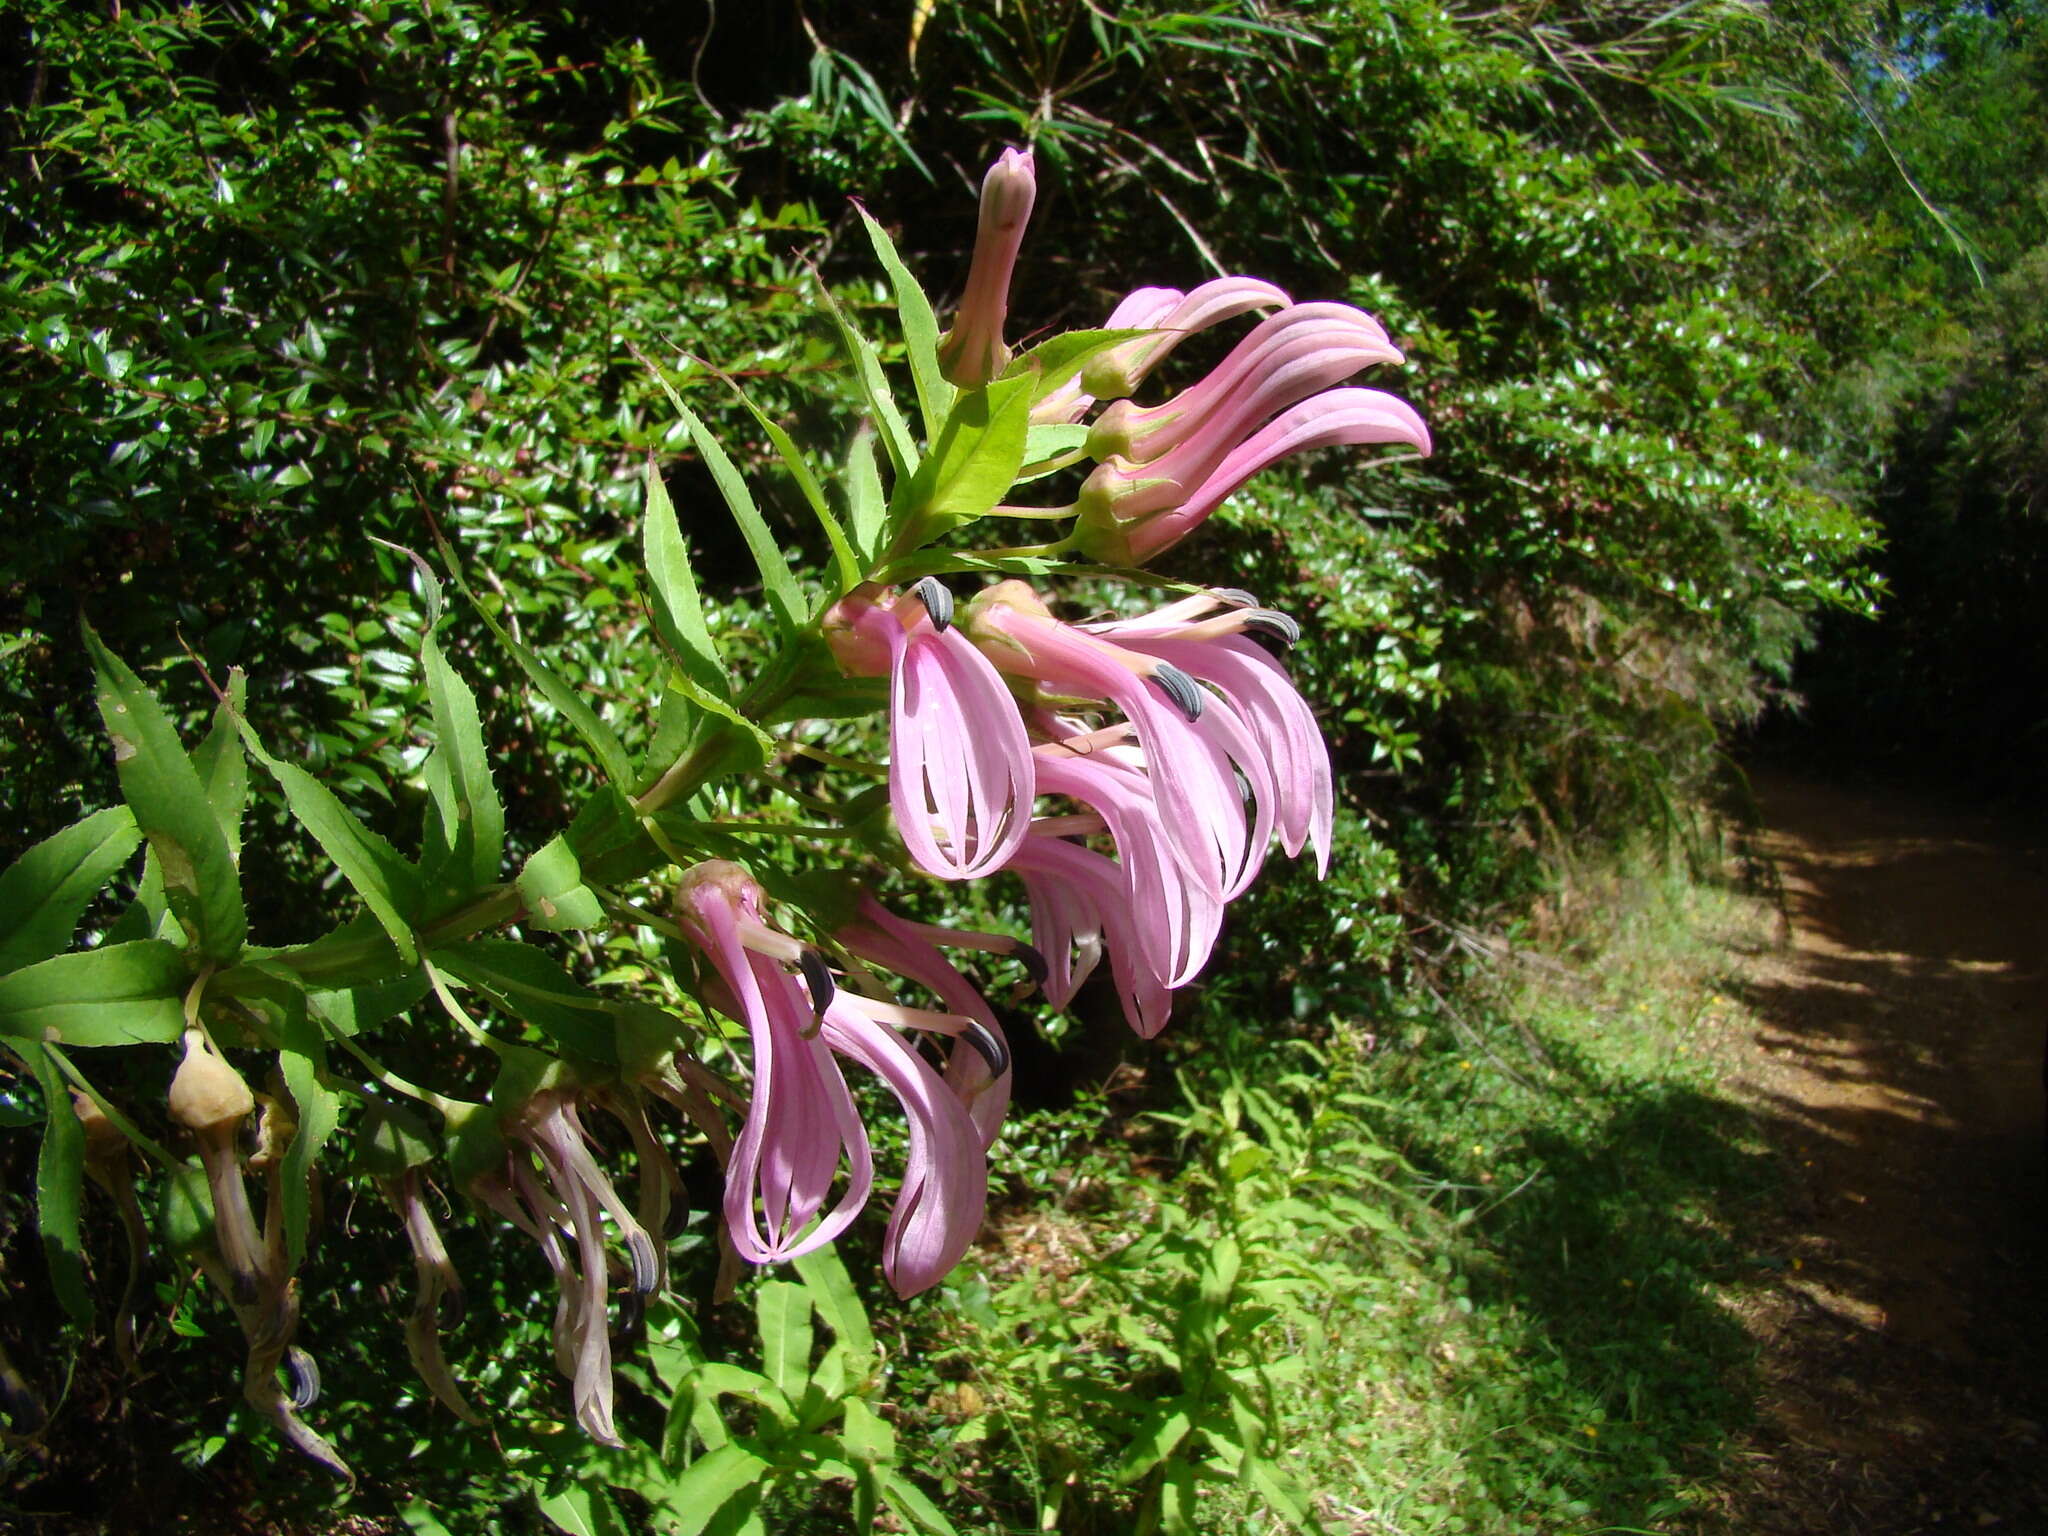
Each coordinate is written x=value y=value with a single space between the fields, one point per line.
x=632 y=1312
x=937 y=600
x=1271 y=621
x=1033 y=962
x=646 y=1268
x=819 y=975
x=676 y=1219
x=990 y=1046
x=1179 y=687
x=1234 y=597
x=451 y=1308
x=304 y=1377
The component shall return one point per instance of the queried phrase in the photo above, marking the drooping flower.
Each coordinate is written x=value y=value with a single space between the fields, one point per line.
x=959 y=761
x=972 y=352
x=1131 y=512
x=1081 y=911
x=1191 y=779
x=1119 y=371
x=801 y=1123
x=1287 y=357
x=1210 y=636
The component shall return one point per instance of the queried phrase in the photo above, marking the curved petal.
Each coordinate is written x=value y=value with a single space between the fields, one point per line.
x=959 y=762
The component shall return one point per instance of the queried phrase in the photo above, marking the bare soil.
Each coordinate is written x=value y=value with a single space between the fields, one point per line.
x=1897 y=1060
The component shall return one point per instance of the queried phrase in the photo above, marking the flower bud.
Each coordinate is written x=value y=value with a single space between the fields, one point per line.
x=972 y=352
x=207 y=1093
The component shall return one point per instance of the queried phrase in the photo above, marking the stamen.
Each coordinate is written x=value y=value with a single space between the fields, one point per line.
x=987 y=1046
x=1234 y=597
x=304 y=1374
x=1271 y=621
x=938 y=601
x=1033 y=961
x=818 y=976
x=1185 y=693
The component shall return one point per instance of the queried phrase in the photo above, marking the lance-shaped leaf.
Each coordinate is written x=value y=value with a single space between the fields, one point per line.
x=847 y=565
x=867 y=509
x=302 y=1061
x=874 y=388
x=711 y=1482
x=678 y=607
x=43 y=892
x=388 y=884
x=469 y=831
x=60 y=1170
x=920 y=329
x=171 y=807
x=776 y=580
x=223 y=767
x=528 y=985
x=973 y=463
x=118 y=994
x=552 y=894
x=783 y=1313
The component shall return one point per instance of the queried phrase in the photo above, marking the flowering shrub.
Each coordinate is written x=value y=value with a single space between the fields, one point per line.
x=1131 y=772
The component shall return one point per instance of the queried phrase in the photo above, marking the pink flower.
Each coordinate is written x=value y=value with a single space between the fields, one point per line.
x=972 y=352
x=1215 y=646
x=1141 y=309
x=1118 y=372
x=1080 y=911
x=1291 y=355
x=801 y=1123
x=959 y=761
x=1197 y=795
x=1131 y=512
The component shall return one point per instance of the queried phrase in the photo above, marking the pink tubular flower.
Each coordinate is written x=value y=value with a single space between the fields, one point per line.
x=1121 y=370
x=802 y=1123
x=972 y=352
x=1131 y=512
x=1291 y=355
x=1141 y=309
x=1080 y=911
x=1208 y=637
x=959 y=762
x=1196 y=792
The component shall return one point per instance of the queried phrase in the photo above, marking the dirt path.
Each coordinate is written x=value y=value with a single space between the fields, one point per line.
x=1898 y=1062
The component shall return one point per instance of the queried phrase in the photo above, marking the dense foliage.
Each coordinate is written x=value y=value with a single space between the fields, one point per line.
x=284 y=283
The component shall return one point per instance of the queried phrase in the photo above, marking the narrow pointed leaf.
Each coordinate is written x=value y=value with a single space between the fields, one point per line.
x=472 y=817
x=302 y=1058
x=843 y=558
x=389 y=886
x=913 y=1506
x=776 y=581
x=974 y=460
x=164 y=791
x=783 y=1313
x=678 y=608
x=1163 y=1428
x=60 y=1177
x=874 y=389
x=44 y=892
x=920 y=329
x=222 y=765
x=838 y=1303
x=709 y=1483
x=867 y=507
x=118 y=994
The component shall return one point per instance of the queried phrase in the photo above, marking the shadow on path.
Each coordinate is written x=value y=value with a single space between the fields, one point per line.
x=1898 y=1067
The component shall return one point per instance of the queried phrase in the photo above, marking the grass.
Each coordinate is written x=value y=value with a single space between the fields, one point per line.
x=1486 y=1244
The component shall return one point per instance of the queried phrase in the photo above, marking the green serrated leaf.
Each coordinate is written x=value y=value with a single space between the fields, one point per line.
x=530 y=986
x=582 y=1509
x=678 y=607
x=783 y=1313
x=920 y=329
x=164 y=791
x=972 y=463
x=843 y=558
x=552 y=895
x=914 y=1507
x=43 y=893
x=223 y=767
x=1177 y=1498
x=874 y=389
x=60 y=1175
x=867 y=509
x=777 y=582
x=118 y=994
x=470 y=815
x=302 y=1060
x=838 y=1303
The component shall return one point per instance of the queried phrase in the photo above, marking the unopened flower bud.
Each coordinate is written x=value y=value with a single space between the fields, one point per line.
x=972 y=352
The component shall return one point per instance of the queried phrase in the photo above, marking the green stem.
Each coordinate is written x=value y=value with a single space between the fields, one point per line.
x=382 y=1074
